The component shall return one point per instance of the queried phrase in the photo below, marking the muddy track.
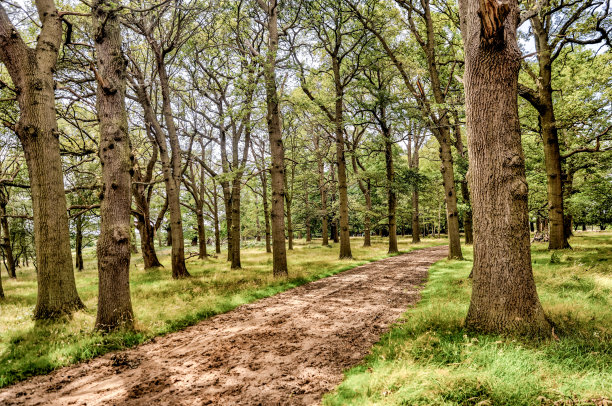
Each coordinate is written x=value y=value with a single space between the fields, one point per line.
x=288 y=349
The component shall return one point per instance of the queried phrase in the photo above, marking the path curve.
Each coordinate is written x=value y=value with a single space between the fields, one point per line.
x=288 y=349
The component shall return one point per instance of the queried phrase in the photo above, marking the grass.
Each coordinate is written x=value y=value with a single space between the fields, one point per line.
x=161 y=304
x=430 y=359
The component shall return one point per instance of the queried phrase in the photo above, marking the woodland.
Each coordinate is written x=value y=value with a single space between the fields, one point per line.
x=166 y=161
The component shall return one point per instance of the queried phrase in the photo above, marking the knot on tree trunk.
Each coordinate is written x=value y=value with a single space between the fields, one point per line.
x=492 y=15
x=121 y=234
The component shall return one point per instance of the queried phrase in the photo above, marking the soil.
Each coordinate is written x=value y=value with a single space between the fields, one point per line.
x=288 y=349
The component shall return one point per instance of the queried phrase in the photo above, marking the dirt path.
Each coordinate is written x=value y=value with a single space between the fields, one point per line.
x=286 y=349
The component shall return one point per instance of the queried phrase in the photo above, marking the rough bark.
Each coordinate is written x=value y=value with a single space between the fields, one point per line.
x=113 y=248
x=504 y=297
x=31 y=70
x=277 y=150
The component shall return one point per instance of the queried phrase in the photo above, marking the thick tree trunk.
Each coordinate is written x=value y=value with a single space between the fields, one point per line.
x=201 y=236
x=277 y=150
x=391 y=195
x=113 y=248
x=504 y=297
x=78 y=243
x=32 y=74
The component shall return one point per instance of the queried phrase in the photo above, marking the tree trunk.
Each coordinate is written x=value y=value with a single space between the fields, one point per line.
x=323 y=191
x=113 y=248
x=257 y=222
x=133 y=246
x=450 y=196
x=416 y=227
x=216 y=222
x=504 y=297
x=266 y=209
x=465 y=191
x=308 y=220
x=552 y=160
x=391 y=195
x=288 y=200
x=201 y=236
x=78 y=243
x=367 y=222
x=172 y=172
x=277 y=150
x=345 y=242
x=31 y=70
x=289 y=223
x=147 y=243
x=5 y=242
x=227 y=201
x=235 y=227
x=542 y=101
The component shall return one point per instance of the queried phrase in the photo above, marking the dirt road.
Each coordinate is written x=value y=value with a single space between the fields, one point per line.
x=288 y=349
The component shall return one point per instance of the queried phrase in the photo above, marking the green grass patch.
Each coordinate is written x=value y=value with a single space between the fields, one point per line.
x=161 y=304
x=430 y=359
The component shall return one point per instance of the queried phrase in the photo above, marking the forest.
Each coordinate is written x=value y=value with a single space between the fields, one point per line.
x=339 y=202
